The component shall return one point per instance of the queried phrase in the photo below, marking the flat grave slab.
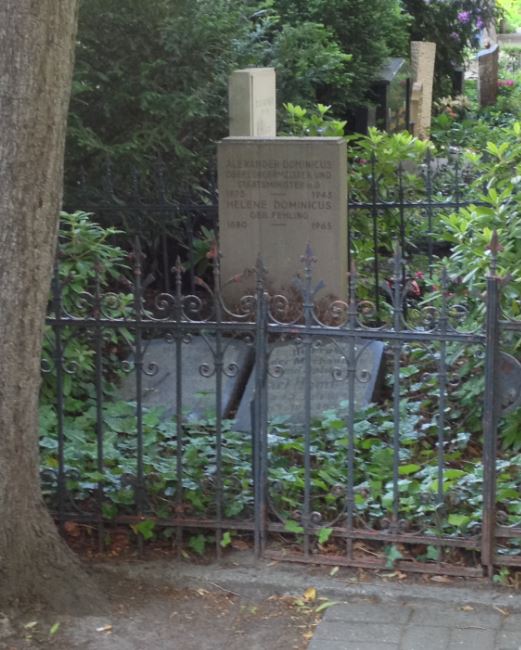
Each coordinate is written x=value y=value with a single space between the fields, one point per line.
x=329 y=380
x=199 y=391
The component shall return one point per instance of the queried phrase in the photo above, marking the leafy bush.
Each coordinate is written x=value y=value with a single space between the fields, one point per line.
x=368 y=32
x=88 y=267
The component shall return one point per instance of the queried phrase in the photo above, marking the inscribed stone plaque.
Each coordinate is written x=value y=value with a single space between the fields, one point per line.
x=252 y=102
x=488 y=72
x=198 y=390
x=329 y=380
x=423 y=56
x=276 y=196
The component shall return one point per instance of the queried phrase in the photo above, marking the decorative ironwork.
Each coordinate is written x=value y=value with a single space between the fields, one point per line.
x=184 y=307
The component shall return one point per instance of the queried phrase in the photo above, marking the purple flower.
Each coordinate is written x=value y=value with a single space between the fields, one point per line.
x=479 y=23
x=464 y=16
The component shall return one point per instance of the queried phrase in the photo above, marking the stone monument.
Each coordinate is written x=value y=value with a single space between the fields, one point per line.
x=423 y=57
x=276 y=195
x=488 y=72
x=252 y=102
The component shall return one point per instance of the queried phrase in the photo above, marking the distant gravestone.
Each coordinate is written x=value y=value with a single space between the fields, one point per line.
x=276 y=195
x=416 y=104
x=252 y=102
x=423 y=55
x=488 y=73
x=198 y=376
x=329 y=380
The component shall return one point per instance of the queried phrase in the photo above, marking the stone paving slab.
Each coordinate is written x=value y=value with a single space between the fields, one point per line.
x=424 y=625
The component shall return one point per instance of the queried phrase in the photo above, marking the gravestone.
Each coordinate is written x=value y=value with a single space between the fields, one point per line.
x=252 y=102
x=329 y=380
x=198 y=397
x=488 y=73
x=423 y=55
x=276 y=195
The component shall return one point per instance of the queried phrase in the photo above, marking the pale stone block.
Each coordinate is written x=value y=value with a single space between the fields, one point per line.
x=423 y=56
x=488 y=66
x=252 y=102
x=416 y=104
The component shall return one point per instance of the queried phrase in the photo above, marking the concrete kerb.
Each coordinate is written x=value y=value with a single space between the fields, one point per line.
x=240 y=574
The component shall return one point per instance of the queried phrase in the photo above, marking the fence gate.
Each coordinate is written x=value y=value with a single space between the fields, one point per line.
x=348 y=446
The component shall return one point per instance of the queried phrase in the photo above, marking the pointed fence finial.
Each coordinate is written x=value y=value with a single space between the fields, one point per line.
x=308 y=258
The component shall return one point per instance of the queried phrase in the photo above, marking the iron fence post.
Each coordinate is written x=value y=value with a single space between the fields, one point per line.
x=490 y=416
x=259 y=415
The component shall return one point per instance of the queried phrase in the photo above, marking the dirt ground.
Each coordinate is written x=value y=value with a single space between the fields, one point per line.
x=237 y=603
x=146 y=617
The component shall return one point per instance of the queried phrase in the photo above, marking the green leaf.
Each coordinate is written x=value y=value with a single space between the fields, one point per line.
x=291 y=526
x=144 y=528
x=411 y=468
x=460 y=521
x=197 y=543
x=392 y=554
x=54 y=629
x=226 y=539
x=324 y=535
x=326 y=605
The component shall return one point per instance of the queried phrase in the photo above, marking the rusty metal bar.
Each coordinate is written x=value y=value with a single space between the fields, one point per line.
x=490 y=417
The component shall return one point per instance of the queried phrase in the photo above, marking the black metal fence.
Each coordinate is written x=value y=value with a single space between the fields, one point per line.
x=284 y=440
x=387 y=203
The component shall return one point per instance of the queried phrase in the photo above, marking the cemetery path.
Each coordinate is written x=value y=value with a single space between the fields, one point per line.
x=238 y=604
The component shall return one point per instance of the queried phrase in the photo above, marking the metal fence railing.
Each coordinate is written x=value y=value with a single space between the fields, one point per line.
x=271 y=417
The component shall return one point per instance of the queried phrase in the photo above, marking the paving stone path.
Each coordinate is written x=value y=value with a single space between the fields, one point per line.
x=417 y=626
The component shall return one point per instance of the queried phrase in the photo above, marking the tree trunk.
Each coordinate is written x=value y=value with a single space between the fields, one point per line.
x=37 y=39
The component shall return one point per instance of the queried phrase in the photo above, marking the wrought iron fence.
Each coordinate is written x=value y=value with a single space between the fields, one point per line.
x=366 y=481
x=384 y=207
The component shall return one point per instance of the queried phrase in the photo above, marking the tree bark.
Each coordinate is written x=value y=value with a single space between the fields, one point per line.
x=37 y=39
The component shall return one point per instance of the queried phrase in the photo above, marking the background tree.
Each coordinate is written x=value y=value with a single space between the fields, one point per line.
x=151 y=84
x=151 y=77
x=36 y=47
x=455 y=26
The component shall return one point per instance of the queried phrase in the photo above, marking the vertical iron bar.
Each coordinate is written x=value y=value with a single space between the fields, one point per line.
x=259 y=417
x=58 y=364
x=351 y=377
x=396 y=347
x=178 y=316
x=442 y=402
x=307 y=342
x=166 y=263
x=190 y=237
x=98 y=369
x=138 y=304
x=218 y=363
x=374 y=216
x=401 y=201
x=490 y=417
x=429 y=191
